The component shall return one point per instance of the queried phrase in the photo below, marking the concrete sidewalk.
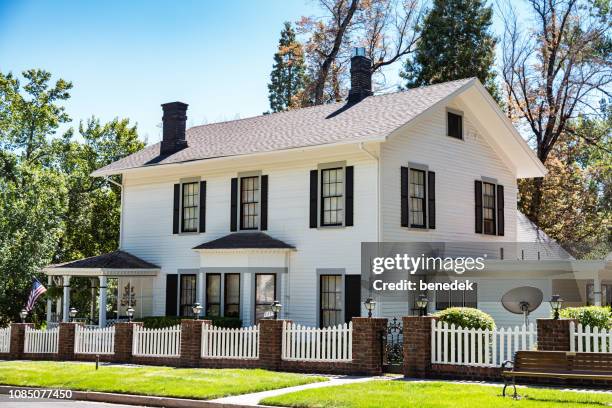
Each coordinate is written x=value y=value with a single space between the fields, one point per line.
x=254 y=398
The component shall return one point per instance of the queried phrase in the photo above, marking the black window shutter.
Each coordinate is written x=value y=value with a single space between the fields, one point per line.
x=202 y=206
x=352 y=297
x=234 y=207
x=404 y=196
x=264 y=203
x=431 y=199
x=478 y=205
x=348 y=221
x=171 y=292
x=500 y=210
x=176 y=209
x=314 y=178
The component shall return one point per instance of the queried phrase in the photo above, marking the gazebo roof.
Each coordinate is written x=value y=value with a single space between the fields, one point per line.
x=113 y=263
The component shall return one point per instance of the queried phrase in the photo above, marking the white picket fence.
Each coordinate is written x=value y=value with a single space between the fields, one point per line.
x=219 y=342
x=590 y=339
x=5 y=340
x=94 y=340
x=41 y=341
x=477 y=347
x=165 y=342
x=302 y=343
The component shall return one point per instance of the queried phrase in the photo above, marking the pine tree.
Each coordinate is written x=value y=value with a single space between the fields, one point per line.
x=455 y=43
x=287 y=77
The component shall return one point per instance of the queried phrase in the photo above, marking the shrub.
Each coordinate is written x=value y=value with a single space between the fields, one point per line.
x=157 y=322
x=594 y=316
x=466 y=317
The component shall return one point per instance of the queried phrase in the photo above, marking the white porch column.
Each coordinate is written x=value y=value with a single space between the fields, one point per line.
x=66 y=298
x=596 y=290
x=102 y=302
x=49 y=301
x=200 y=278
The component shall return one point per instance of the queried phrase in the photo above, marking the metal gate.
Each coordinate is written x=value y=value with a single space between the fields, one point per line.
x=393 y=346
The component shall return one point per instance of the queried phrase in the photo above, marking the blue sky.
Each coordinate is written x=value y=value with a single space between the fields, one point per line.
x=125 y=58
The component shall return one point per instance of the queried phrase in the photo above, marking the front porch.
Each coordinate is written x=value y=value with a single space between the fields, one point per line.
x=118 y=265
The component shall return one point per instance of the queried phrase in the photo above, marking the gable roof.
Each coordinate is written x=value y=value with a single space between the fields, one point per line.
x=372 y=119
x=245 y=240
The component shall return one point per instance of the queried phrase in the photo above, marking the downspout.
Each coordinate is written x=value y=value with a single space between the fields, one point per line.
x=378 y=199
x=107 y=178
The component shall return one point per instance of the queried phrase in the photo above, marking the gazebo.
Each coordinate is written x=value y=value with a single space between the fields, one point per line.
x=114 y=264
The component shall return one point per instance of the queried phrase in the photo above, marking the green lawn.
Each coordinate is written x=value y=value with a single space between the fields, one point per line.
x=160 y=381
x=396 y=394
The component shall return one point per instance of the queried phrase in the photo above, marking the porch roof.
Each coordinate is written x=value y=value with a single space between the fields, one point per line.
x=116 y=263
x=246 y=240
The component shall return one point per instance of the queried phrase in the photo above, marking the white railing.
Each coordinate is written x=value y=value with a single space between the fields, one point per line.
x=165 y=342
x=313 y=344
x=219 y=342
x=94 y=340
x=477 y=347
x=5 y=340
x=590 y=339
x=41 y=341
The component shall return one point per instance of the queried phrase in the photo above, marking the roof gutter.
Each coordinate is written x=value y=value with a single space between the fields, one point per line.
x=378 y=199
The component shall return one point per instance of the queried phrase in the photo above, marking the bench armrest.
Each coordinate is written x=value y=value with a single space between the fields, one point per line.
x=507 y=363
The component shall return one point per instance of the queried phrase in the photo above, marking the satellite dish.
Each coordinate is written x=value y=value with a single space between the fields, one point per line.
x=523 y=300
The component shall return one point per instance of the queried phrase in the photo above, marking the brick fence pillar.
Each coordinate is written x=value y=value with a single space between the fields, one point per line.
x=270 y=343
x=123 y=341
x=367 y=345
x=417 y=345
x=554 y=335
x=65 y=348
x=191 y=339
x=18 y=339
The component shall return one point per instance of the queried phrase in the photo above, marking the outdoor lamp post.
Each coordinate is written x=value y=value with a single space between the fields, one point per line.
x=23 y=314
x=370 y=304
x=130 y=313
x=276 y=308
x=72 y=313
x=196 y=309
x=555 y=304
x=421 y=304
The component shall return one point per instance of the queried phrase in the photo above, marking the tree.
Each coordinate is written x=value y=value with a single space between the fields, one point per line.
x=288 y=72
x=455 y=43
x=554 y=72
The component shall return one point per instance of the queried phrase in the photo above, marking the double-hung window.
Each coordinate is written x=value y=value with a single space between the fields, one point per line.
x=457 y=298
x=488 y=208
x=188 y=294
x=231 y=307
x=265 y=294
x=417 y=198
x=190 y=200
x=213 y=294
x=332 y=196
x=249 y=203
x=330 y=295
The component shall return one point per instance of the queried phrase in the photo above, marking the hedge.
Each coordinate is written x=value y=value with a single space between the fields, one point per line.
x=156 y=322
x=594 y=316
x=466 y=317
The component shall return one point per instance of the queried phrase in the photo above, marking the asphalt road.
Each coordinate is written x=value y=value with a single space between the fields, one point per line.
x=6 y=402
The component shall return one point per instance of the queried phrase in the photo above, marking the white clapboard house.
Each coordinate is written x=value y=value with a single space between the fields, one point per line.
x=237 y=214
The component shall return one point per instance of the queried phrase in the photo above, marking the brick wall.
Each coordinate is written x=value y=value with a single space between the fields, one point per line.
x=554 y=335
x=123 y=341
x=191 y=338
x=270 y=343
x=18 y=339
x=417 y=345
x=65 y=348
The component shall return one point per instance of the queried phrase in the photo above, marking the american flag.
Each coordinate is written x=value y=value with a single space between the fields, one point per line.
x=37 y=290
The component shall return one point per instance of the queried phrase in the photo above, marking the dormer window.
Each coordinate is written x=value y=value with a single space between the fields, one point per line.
x=454 y=124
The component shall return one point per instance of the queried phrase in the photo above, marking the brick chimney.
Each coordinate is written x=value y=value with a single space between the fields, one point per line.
x=174 y=120
x=361 y=76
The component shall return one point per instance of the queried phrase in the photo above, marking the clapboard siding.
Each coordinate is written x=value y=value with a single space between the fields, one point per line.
x=457 y=164
x=148 y=231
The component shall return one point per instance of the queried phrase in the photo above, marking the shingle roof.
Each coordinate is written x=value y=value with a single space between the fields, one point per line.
x=245 y=240
x=111 y=260
x=373 y=118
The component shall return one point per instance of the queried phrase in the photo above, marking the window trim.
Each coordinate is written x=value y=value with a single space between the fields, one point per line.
x=225 y=304
x=320 y=168
x=197 y=220
x=276 y=291
x=240 y=176
x=458 y=113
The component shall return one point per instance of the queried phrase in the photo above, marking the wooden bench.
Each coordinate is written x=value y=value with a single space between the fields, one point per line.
x=557 y=364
